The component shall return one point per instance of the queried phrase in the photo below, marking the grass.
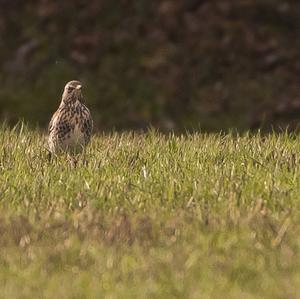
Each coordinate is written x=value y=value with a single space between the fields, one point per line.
x=151 y=216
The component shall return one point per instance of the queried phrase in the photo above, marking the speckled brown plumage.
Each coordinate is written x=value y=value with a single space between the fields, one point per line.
x=71 y=125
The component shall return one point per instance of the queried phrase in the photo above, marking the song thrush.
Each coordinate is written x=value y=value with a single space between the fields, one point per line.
x=71 y=125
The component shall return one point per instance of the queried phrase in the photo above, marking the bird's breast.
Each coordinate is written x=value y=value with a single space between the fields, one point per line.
x=77 y=136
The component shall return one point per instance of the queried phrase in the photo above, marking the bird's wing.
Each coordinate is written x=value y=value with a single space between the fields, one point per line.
x=88 y=123
x=52 y=121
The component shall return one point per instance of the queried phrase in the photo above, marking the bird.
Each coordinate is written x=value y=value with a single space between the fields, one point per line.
x=71 y=126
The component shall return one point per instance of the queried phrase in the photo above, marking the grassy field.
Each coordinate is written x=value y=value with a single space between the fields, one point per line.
x=151 y=216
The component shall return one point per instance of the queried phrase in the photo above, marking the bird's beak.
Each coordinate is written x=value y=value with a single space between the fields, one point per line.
x=78 y=87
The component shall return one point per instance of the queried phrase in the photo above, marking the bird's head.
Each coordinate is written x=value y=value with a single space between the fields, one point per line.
x=72 y=92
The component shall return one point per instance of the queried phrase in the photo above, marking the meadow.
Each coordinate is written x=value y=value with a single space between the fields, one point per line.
x=147 y=215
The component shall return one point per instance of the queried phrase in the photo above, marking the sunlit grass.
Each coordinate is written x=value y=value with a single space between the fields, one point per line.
x=151 y=216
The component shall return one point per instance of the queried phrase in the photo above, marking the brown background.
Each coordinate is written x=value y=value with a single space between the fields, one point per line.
x=175 y=65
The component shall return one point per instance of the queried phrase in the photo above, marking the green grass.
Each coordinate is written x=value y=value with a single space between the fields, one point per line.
x=151 y=216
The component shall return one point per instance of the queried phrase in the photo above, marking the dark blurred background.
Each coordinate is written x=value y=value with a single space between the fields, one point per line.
x=175 y=65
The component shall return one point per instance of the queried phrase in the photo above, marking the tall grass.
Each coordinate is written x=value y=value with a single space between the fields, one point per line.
x=151 y=216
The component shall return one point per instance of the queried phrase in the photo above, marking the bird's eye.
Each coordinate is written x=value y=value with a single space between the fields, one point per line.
x=70 y=88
